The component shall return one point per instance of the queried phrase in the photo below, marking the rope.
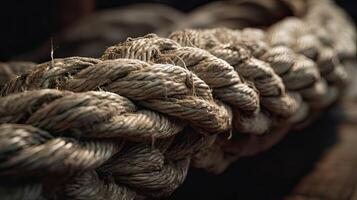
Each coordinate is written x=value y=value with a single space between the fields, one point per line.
x=10 y=70
x=129 y=125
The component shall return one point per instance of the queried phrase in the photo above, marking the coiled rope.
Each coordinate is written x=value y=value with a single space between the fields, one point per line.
x=129 y=125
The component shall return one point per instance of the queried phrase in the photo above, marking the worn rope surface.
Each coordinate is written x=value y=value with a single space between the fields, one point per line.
x=129 y=125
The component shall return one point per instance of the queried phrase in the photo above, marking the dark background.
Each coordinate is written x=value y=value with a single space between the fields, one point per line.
x=270 y=175
x=27 y=24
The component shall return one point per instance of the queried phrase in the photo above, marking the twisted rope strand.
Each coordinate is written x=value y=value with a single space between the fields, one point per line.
x=165 y=88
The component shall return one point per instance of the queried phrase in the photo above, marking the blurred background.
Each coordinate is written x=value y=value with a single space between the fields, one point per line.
x=27 y=26
x=30 y=29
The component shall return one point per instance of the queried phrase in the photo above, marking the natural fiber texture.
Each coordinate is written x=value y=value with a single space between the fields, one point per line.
x=165 y=88
x=128 y=125
x=218 y=74
x=269 y=85
x=38 y=137
x=10 y=70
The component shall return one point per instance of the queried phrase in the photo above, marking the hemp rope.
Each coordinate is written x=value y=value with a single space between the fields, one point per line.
x=129 y=125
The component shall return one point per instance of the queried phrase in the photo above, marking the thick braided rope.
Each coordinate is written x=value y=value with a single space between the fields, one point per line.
x=36 y=148
x=302 y=74
x=147 y=125
x=269 y=85
x=299 y=73
x=229 y=47
x=219 y=75
x=165 y=88
x=136 y=134
x=193 y=103
x=328 y=44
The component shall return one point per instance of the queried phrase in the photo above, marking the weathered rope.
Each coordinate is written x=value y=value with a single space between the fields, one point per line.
x=128 y=125
x=219 y=75
x=165 y=88
x=250 y=68
x=26 y=149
